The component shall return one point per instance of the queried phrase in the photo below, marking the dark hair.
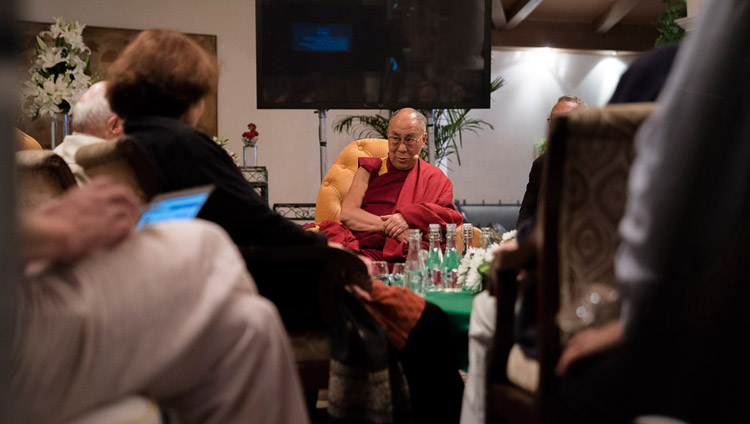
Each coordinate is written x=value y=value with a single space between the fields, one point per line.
x=161 y=72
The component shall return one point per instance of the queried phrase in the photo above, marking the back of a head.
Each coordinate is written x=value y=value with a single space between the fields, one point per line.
x=567 y=104
x=91 y=112
x=162 y=73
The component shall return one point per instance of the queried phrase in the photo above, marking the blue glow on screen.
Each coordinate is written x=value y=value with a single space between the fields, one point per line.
x=178 y=208
x=328 y=38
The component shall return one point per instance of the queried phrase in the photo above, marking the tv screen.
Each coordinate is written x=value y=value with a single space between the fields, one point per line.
x=373 y=54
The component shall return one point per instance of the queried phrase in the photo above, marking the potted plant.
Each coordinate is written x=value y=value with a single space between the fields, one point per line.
x=449 y=127
x=669 y=30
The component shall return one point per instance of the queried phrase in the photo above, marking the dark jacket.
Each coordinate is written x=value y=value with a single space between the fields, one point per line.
x=184 y=157
x=530 y=198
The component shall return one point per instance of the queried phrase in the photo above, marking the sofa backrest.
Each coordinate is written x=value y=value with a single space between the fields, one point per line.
x=489 y=215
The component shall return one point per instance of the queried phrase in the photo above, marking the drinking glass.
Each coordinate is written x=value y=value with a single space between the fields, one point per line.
x=414 y=281
x=397 y=276
x=380 y=271
x=423 y=254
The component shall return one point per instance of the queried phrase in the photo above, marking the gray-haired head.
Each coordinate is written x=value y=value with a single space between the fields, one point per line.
x=92 y=115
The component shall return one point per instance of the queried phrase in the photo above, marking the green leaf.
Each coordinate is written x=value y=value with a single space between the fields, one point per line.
x=483 y=268
x=363 y=126
x=40 y=44
x=669 y=31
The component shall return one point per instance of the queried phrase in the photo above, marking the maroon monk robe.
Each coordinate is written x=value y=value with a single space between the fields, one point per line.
x=422 y=195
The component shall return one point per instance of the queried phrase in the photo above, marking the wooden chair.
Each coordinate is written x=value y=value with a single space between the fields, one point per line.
x=573 y=246
x=339 y=178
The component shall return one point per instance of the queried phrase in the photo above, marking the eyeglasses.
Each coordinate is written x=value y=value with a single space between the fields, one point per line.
x=409 y=141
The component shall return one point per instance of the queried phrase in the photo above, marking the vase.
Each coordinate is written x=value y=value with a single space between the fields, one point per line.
x=249 y=142
x=58 y=129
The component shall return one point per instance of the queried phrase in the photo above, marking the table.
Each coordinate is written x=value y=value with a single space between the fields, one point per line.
x=257 y=177
x=457 y=306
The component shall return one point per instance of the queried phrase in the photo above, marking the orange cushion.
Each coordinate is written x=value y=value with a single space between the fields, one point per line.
x=336 y=183
x=26 y=142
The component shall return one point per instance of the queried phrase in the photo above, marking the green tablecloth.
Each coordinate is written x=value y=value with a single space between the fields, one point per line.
x=458 y=308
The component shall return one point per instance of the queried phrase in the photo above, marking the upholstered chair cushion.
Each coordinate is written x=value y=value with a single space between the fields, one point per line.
x=42 y=175
x=594 y=186
x=25 y=141
x=122 y=160
x=336 y=182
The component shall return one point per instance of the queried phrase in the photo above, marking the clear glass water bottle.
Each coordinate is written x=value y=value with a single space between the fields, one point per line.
x=433 y=281
x=413 y=274
x=485 y=240
x=451 y=260
x=468 y=235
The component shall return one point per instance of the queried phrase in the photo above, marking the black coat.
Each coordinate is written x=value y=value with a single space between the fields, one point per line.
x=531 y=196
x=184 y=158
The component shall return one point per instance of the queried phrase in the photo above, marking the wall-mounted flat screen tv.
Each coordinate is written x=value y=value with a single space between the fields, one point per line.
x=373 y=54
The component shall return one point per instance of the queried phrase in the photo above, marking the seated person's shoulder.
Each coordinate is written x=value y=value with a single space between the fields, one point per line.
x=371 y=165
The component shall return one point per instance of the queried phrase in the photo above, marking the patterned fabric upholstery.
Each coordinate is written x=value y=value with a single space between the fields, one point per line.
x=339 y=177
x=598 y=155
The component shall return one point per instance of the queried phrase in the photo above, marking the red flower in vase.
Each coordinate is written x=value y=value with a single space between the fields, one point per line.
x=251 y=134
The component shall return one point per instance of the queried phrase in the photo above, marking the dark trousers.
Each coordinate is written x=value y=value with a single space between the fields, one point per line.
x=430 y=363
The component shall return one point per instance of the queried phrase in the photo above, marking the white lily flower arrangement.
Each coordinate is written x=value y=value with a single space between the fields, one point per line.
x=475 y=264
x=222 y=142
x=59 y=72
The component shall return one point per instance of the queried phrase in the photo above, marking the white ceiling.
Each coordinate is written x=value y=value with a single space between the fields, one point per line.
x=587 y=11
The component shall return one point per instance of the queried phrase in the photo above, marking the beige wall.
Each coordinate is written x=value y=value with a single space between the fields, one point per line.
x=496 y=163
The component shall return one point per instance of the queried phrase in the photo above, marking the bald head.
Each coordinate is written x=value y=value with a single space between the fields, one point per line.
x=92 y=115
x=409 y=114
x=567 y=104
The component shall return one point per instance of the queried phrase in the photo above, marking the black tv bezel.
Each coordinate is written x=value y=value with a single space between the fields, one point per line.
x=485 y=103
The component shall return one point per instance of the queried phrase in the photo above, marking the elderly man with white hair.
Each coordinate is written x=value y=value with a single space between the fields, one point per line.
x=92 y=122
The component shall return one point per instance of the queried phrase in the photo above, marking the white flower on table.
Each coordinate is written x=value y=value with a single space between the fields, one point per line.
x=474 y=266
x=476 y=263
x=509 y=235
